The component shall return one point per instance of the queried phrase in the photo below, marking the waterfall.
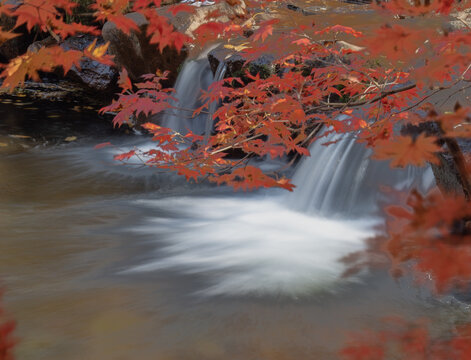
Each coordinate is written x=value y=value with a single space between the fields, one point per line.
x=263 y=243
x=342 y=179
x=195 y=76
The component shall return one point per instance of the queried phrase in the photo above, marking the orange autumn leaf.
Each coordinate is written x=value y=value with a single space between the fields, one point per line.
x=106 y=10
x=175 y=9
x=124 y=81
x=125 y=156
x=45 y=59
x=397 y=42
x=342 y=29
x=447 y=264
x=266 y=29
x=7 y=35
x=404 y=150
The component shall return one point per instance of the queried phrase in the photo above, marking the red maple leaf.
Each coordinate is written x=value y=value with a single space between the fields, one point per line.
x=404 y=150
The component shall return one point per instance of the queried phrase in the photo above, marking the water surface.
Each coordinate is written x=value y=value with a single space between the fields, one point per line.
x=106 y=262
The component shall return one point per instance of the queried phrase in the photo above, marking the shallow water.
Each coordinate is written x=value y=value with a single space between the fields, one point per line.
x=101 y=261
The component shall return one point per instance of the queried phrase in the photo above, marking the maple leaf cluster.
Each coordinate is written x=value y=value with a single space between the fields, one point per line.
x=434 y=232
x=407 y=340
x=370 y=83
x=53 y=18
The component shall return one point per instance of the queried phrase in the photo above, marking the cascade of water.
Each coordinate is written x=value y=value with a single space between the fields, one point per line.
x=195 y=76
x=290 y=244
x=342 y=179
x=218 y=76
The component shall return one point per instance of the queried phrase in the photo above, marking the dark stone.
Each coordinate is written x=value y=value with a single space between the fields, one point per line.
x=446 y=174
x=92 y=74
x=49 y=41
x=17 y=46
x=235 y=63
x=139 y=57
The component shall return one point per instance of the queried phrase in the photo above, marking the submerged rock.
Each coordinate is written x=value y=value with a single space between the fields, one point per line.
x=56 y=90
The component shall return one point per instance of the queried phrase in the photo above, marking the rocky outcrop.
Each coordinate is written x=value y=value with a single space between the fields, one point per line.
x=139 y=57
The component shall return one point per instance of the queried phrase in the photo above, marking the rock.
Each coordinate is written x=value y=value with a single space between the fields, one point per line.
x=459 y=21
x=139 y=57
x=12 y=48
x=446 y=174
x=49 y=41
x=263 y=64
x=187 y=23
x=235 y=62
x=92 y=74
x=136 y=54
x=59 y=90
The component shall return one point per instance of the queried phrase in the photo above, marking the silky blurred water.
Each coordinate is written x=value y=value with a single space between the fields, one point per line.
x=101 y=261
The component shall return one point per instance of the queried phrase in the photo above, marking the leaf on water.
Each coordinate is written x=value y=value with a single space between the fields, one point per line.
x=14 y=136
x=70 y=138
x=125 y=156
x=102 y=145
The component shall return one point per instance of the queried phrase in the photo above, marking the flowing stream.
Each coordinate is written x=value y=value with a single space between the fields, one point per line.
x=195 y=76
x=104 y=261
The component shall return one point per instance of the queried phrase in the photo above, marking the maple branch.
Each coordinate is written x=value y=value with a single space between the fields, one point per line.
x=53 y=34
x=365 y=102
x=314 y=131
x=236 y=144
x=189 y=110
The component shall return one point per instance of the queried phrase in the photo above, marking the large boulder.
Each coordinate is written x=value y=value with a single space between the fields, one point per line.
x=139 y=57
x=136 y=54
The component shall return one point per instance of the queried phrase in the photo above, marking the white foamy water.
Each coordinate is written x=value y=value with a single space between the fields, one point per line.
x=291 y=244
x=342 y=179
x=251 y=245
